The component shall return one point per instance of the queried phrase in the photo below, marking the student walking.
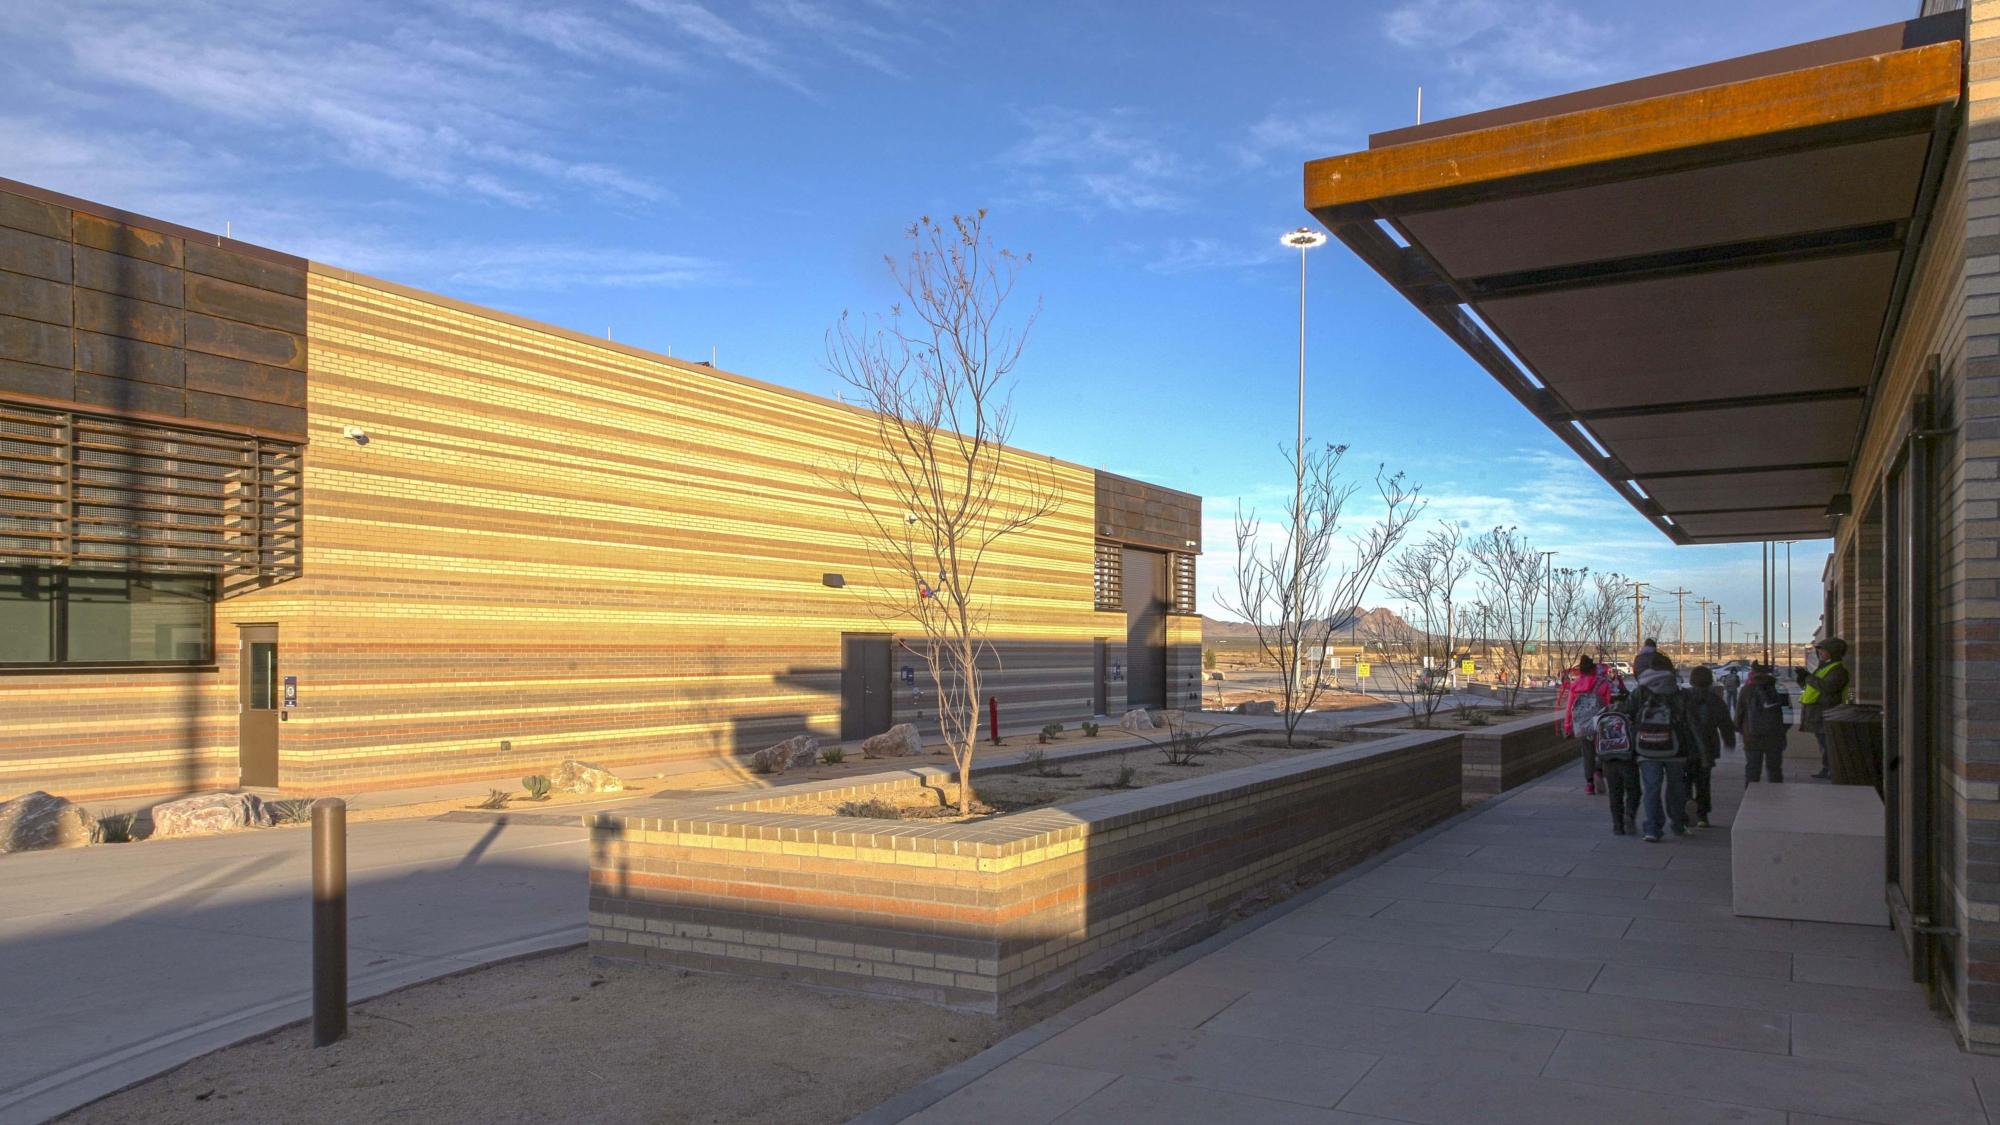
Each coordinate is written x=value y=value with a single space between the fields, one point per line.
x=1714 y=731
x=1614 y=749
x=1760 y=715
x=1821 y=687
x=1663 y=742
x=1586 y=693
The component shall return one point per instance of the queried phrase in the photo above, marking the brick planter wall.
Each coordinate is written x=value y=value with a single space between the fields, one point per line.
x=987 y=914
x=1504 y=755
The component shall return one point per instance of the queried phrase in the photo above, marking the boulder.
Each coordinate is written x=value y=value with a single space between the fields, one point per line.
x=1257 y=707
x=799 y=750
x=899 y=741
x=1137 y=721
x=582 y=777
x=209 y=812
x=37 y=820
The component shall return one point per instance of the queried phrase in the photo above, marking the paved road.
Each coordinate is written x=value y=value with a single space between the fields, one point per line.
x=120 y=962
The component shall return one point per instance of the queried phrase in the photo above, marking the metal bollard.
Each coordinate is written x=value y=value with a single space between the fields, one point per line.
x=993 y=717
x=329 y=892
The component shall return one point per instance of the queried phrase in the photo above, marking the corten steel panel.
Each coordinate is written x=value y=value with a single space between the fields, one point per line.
x=32 y=341
x=1743 y=489
x=34 y=216
x=1797 y=524
x=1782 y=328
x=1854 y=185
x=34 y=255
x=245 y=341
x=250 y=305
x=113 y=315
x=220 y=375
x=262 y=273
x=129 y=277
x=121 y=396
x=1130 y=511
x=118 y=357
x=34 y=298
x=1743 y=437
x=123 y=238
x=1145 y=628
x=33 y=379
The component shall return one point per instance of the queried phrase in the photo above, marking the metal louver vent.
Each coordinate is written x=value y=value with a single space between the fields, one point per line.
x=87 y=492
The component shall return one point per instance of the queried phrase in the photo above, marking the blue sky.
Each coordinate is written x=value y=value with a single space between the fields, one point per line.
x=690 y=176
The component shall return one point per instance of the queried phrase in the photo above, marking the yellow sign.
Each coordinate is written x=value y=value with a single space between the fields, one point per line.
x=1467 y=668
x=1361 y=669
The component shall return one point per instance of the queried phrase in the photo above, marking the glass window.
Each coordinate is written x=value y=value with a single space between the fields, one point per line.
x=27 y=617
x=100 y=617
x=263 y=676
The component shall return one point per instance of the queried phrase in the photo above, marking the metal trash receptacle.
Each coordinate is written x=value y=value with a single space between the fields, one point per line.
x=1854 y=744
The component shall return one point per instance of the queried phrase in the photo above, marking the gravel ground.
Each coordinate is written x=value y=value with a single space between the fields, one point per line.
x=553 y=1038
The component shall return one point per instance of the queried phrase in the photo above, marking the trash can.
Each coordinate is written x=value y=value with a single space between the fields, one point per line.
x=1854 y=744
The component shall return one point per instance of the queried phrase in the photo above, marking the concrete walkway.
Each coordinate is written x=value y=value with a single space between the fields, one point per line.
x=1522 y=966
x=120 y=962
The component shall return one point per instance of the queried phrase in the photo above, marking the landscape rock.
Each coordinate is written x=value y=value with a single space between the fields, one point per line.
x=1137 y=721
x=799 y=750
x=1257 y=707
x=38 y=820
x=582 y=777
x=209 y=812
x=899 y=741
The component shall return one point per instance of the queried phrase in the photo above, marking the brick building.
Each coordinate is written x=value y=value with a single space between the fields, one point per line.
x=269 y=522
x=1759 y=298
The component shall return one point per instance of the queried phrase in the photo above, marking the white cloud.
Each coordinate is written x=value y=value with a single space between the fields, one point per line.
x=1288 y=137
x=1202 y=254
x=1106 y=161
x=1495 y=53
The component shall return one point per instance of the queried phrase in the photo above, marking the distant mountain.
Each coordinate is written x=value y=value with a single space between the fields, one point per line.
x=1379 y=622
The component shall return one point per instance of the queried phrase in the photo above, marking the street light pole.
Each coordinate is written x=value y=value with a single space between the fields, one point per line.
x=1548 y=610
x=1304 y=238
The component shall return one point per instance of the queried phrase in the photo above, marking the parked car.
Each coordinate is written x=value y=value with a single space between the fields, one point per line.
x=1622 y=667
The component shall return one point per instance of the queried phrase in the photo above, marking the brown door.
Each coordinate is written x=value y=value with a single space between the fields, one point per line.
x=864 y=685
x=257 y=692
x=1101 y=701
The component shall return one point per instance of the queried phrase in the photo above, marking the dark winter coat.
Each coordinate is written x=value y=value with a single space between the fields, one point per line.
x=1762 y=687
x=1714 y=728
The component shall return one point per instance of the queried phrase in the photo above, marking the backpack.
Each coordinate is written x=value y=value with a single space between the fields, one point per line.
x=1767 y=713
x=1613 y=737
x=1654 y=728
x=1585 y=714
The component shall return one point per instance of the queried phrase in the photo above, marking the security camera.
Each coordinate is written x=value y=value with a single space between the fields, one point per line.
x=355 y=434
x=910 y=518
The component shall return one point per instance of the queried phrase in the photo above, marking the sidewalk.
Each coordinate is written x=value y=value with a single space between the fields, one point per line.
x=1520 y=965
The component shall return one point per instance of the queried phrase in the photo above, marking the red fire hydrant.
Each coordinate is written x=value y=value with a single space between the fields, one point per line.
x=993 y=718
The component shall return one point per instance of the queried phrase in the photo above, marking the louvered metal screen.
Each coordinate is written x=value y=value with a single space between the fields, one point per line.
x=1183 y=584
x=1110 y=577
x=87 y=492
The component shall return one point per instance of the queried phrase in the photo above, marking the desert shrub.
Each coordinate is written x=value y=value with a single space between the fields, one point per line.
x=874 y=808
x=537 y=787
x=117 y=828
x=1036 y=760
x=832 y=755
x=1186 y=746
x=496 y=799
x=1090 y=730
x=1471 y=716
x=291 y=810
x=1124 y=778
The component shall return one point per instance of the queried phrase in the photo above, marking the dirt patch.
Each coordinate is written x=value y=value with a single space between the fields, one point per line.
x=553 y=1038
x=1064 y=782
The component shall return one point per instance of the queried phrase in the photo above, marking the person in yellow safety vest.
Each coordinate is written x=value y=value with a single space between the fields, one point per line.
x=1821 y=687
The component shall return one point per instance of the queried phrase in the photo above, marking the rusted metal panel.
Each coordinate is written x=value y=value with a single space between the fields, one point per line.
x=246 y=304
x=34 y=298
x=122 y=316
x=243 y=341
x=129 y=359
x=32 y=341
x=21 y=252
x=121 y=238
x=34 y=379
x=240 y=379
x=34 y=215
x=128 y=277
x=243 y=412
x=106 y=393
x=277 y=277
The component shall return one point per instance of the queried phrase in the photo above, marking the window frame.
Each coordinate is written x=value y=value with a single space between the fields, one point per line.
x=58 y=583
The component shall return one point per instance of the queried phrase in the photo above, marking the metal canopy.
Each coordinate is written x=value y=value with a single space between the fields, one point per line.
x=1692 y=278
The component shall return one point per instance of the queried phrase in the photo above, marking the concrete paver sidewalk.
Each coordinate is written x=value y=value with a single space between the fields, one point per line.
x=1522 y=965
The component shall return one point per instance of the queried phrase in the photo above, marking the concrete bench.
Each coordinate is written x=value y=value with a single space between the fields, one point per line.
x=1809 y=852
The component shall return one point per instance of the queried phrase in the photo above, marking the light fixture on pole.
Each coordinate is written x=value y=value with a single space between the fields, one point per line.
x=1303 y=239
x=1549 y=610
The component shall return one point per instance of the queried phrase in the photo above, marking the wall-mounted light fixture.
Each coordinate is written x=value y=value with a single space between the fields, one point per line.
x=1842 y=504
x=355 y=434
x=833 y=580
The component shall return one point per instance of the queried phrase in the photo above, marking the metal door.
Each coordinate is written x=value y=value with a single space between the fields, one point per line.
x=1145 y=581
x=1101 y=701
x=865 y=686
x=257 y=696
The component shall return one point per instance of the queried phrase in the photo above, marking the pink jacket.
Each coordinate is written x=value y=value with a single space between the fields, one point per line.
x=1595 y=683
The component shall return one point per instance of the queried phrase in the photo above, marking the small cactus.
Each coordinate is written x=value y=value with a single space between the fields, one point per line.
x=1090 y=730
x=537 y=786
x=496 y=799
x=832 y=755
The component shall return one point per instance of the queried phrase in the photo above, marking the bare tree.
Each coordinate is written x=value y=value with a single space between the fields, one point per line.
x=1604 y=613
x=1427 y=575
x=1295 y=592
x=939 y=489
x=1568 y=600
x=1510 y=586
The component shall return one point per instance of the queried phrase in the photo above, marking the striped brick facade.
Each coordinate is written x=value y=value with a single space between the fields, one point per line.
x=551 y=546
x=986 y=915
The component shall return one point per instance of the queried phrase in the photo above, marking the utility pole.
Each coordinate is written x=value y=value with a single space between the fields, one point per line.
x=1681 y=620
x=1788 y=602
x=1701 y=612
x=1718 y=633
x=1638 y=616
